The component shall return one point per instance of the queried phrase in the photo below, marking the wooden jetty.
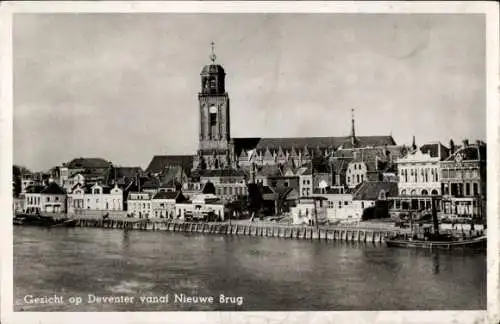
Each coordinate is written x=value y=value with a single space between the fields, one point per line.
x=278 y=231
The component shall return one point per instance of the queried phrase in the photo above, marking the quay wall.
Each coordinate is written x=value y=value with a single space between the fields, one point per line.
x=253 y=230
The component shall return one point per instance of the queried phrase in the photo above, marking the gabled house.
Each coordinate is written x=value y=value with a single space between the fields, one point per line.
x=95 y=197
x=45 y=199
x=163 y=203
x=139 y=204
x=370 y=193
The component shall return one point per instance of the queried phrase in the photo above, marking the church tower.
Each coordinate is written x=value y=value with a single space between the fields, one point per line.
x=215 y=149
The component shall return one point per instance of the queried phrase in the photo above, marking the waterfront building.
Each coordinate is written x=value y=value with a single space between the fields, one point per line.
x=139 y=204
x=124 y=175
x=229 y=183
x=463 y=177
x=373 y=194
x=308 y=210
x=305 y=180
x=95 y=197
x=339 y=202
x=27 y=181
x=274 y=177
x=419 y=171
x=163 y=204
x=201 y=206
x=191 y=188
x=73 y=179
x=338 y=167
x=45 y=199
x=19 y=204
x=94 y=170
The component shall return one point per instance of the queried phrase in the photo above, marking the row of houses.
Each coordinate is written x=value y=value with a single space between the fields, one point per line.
x=350 y=180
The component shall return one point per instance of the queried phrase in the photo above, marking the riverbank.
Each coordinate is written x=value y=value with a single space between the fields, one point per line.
x=368 y=231
x=261 y=229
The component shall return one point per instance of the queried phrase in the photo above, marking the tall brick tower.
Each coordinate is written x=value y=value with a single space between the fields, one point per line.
x=215 y=150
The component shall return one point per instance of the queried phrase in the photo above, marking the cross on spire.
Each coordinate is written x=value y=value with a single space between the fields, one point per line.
x=212 y=55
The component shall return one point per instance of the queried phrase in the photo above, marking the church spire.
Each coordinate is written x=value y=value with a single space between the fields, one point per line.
x=212 y=54
x=353 y=131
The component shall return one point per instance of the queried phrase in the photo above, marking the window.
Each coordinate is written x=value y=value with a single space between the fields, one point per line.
x=346 y=203
x=476 y=189
x=403 y=192
x=357 y=178
x=47 y=199
x=348 y=179
x=286 y=184
x=362 y=178
x=362 y=205
x=57 y=198
x=467 y=189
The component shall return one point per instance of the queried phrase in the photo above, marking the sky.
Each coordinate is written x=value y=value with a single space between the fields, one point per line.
x=124 y=86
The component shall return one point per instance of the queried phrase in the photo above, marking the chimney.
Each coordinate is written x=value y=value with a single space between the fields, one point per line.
x=466 y=143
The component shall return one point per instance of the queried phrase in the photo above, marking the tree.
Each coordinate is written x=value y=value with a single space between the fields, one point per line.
x=255 y=199
x=17 y=175
x=209 y=188
x=203 y=163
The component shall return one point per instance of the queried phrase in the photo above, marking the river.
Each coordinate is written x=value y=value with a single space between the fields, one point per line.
x=267 y=274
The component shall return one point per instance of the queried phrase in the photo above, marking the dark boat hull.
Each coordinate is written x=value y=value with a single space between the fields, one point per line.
x=42 y=221
x=476 y=243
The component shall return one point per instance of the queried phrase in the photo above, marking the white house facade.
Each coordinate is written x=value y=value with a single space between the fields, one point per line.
x=96 y=197
x=139 y=204
x=419 y=174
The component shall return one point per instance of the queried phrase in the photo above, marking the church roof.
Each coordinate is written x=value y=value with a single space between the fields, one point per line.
x=88 y=163
x=127 y=172
x=287 y=143
x=160 y=162
x=221 y=173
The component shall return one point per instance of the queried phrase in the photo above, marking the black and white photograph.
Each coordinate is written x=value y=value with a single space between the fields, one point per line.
x=212 y=162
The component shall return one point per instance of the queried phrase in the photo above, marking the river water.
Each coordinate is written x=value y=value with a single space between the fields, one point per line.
x=266 y=273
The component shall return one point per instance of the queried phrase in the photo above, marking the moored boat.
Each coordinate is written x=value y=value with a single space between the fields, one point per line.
x=446 y=244
x=42 y=221
x=436 y=240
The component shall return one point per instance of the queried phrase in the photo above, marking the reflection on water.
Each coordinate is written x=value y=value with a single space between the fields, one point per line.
x=269 y=273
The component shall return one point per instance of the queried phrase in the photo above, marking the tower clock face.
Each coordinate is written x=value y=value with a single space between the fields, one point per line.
x=212 y=110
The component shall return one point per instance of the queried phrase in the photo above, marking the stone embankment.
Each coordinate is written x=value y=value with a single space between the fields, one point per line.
x=330 y=233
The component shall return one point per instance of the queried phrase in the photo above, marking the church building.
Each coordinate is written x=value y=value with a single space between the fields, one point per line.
x=218 y=150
